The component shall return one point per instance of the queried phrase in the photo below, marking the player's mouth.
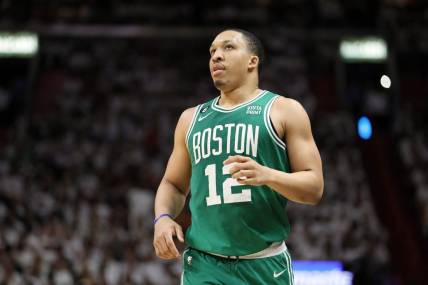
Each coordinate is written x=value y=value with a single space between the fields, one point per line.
x=218 y=69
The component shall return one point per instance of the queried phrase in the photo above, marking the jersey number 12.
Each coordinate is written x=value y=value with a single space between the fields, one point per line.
x=228 y=196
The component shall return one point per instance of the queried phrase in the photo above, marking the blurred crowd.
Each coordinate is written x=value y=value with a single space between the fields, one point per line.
x=77 y=189
x=294 y=13
x=413 y=150
x=74 y=204
x=344 y=226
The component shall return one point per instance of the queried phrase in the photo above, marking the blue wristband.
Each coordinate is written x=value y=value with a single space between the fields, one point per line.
x=161 y=216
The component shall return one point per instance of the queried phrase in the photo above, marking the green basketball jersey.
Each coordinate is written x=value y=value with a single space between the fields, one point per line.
x=229 y=218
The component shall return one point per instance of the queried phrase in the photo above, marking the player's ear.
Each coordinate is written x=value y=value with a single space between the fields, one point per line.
x=253 y=62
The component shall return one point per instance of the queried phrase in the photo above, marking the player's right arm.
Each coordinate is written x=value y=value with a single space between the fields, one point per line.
x=172 y=192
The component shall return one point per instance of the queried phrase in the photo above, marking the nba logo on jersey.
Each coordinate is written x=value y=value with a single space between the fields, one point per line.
x=203 y=110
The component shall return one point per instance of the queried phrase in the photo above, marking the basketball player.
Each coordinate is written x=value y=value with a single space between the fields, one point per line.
x=243 y=155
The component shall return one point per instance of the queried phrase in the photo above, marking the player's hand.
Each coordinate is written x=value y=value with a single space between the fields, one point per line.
x=247 y=171
x=165 y=230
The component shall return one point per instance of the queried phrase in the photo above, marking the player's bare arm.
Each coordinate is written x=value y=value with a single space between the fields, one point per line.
x=172 y=192
x=305 y=184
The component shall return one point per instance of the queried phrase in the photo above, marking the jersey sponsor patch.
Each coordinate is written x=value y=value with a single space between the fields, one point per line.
x=254 y=110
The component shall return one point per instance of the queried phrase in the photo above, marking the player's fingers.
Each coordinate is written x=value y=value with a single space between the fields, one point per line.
x=247 y=173
x=236 y=158
x=171 y=248
x=179 y=233
x=243 y=174
x=235 y=175
x=156 y=250
x=235 y=167
x=163 y=247
x=162 y=255
x=247 y=181
x=241 y=158
x=165 y=255
x=164 y=251
x=159 y=254
x=156 y=242
x=240 y=174
x=160 y=246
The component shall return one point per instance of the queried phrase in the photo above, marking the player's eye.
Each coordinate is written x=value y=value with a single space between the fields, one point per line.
x=212 y=51
x=228 y=47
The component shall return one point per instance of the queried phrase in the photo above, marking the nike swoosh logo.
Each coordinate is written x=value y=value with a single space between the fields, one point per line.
x=276 y=275
x=203 y=117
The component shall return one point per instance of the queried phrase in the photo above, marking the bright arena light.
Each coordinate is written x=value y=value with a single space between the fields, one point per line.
x=363 y=49
x=385 y=81
x=21 y=44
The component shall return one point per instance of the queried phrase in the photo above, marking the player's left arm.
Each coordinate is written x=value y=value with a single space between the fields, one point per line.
x=305 y=183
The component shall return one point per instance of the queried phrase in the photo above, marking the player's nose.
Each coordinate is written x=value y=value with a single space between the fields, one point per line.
x=217 y=56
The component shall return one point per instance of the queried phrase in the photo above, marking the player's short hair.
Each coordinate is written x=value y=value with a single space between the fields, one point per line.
x=253 y=43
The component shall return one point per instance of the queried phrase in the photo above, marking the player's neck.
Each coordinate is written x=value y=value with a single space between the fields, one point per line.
x=237 y=96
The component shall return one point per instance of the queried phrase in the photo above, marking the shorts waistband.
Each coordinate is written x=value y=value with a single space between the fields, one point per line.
x=274 y=249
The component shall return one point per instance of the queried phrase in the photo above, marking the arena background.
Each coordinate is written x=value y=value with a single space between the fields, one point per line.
x=87 y=126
